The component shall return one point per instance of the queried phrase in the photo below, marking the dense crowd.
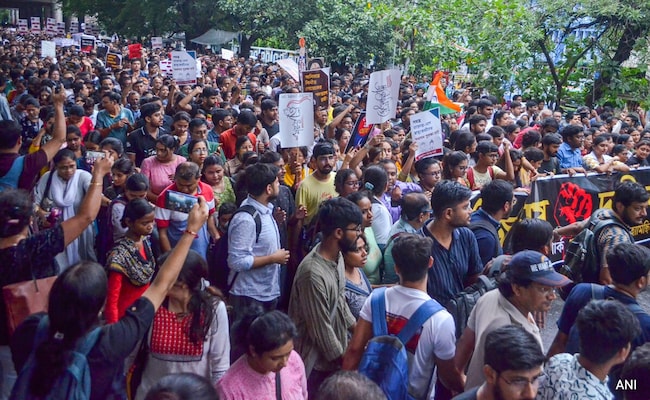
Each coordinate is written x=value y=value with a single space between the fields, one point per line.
x=217 y=262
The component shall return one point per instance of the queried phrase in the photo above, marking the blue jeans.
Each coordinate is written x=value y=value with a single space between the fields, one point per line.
x=8 y=372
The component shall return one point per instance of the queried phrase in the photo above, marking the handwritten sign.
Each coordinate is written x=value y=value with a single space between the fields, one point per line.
x=382 y=96
x=318 y=83
x=184 y=68
x=296 y=119
x=426 y=131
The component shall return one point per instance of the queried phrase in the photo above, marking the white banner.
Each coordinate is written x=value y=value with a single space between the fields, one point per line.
x=296 y=119
x=383 y=94
x=183 y=68
x=156 y=42
x=48 y=49
x=426 y=131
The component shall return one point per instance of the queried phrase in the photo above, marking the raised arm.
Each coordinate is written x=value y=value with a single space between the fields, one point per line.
x=58 y=133
x=169 y=271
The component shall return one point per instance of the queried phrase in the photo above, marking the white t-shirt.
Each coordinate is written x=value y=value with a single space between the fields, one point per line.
x=436 y=338
x=381 y=222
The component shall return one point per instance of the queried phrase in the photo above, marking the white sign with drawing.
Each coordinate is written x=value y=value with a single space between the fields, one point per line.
x=383 y=92
x=296 y=119
x=426 y=131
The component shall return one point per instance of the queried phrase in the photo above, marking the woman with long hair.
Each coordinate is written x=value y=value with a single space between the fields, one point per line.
x=357 y=285
x=190 y=332
x=269 y=359
x=75 y=302
x=212 y=173
x=58 y=196
x=242 y=145
x=374 y=257
x=454 y=167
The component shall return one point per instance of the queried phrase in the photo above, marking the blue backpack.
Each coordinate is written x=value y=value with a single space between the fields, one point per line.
x=385 y=360
x=11 y=178
x=74 y=383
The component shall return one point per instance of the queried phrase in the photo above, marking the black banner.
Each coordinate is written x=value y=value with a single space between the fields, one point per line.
x=563 y=200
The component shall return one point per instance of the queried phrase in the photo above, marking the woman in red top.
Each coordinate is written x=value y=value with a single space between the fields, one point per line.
x=77 y=117
x=130 y=263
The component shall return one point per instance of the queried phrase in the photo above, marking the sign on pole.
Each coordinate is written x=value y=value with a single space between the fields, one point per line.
x=426 y=131
x=382 y=96
x=184 y=68
x=296 y=119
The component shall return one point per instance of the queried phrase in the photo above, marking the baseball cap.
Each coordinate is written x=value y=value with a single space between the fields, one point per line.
x=533 y=265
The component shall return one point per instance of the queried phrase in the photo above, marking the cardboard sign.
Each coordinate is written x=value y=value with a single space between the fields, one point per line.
x=36 y=24
x=184 y=67
x=318 y=83
x=156 y=42
x=360 y=132
x=22 y=26
x=113 y=61
x=383 y=95
x=48 y=49
x=426 y=131
x=135 y=51
x=296 y=119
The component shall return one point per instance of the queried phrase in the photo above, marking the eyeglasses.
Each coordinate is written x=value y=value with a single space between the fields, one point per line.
x=546 y=290
x=493 y=155
x=200 y=151
x=357 y=229
x=521 y=383
x=352 y=183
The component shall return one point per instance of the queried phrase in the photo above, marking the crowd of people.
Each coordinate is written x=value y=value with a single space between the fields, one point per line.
x=220 y=264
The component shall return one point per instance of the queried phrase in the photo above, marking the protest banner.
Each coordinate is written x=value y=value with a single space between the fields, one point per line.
x=135 y=51
x=426 y=131
x=318 y=83
x=227 y=54
x=291 y=67
x=271 y=55
x=383 y=95
x=184 y=67
x=296 y=119
x=166 y=67
x=48 y=49
x=113 y=61
x=36 y=24
x=64 y=42
x=22 y=25
x=87 y=43
x=156 y=42
x=74 y=26
x=360 y=132
x=562 y=200
x=60 y=28
x=50 y=26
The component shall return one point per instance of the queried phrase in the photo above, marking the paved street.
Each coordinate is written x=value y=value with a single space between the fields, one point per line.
x=548 y=333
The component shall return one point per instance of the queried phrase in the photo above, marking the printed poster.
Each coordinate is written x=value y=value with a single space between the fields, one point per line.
x=156 y=42
x=184 y=67
x=360 y=132
x=113 y=61
x=426 y=131
x=296 y=119
x=383 y=95
x=22 y=25
x=318 y=83
x=36 y=24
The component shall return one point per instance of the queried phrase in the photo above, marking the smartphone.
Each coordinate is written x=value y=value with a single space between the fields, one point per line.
x=181 y=202
x=93 y=156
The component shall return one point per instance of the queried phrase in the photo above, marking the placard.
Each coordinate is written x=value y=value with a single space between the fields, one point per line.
x=184 y=67
x=291 y=67
x=360 y=132
x=22 y=25
x=74 y=26
x=135 y=51
x=166 y=68
x=296 y=119
x=227 y=54
x=426 y=131
x=113 y=61
x=318 y=83
x=48 y=49
x=60 y=28
x=36 y=24
x=156 y=42
x=383 y=95
x=87 y=44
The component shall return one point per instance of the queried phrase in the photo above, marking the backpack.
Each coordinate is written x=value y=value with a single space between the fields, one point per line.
x=462 y=304
x=470 y=177
x=219 y=271
x=74 y=383
x=385 y=359
x=582 y=257
x=12 y=177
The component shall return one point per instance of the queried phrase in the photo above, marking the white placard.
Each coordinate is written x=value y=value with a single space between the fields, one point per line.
x=382 y=96
x=426 y=131
x=48 y=49
x=36 y=24
x=64 y=42
x=296 y=119
x=183 y=68
x=227 y=54
x=22 y=26
x=156 y=42
x=166 y=68
x=291 y=67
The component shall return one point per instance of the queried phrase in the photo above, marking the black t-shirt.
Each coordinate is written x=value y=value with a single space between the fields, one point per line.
x=142 y=144
x=271 y=129
x=552 y=165
x=471 y=394
x=106 y=359
x=33 y=256
x=634 y=161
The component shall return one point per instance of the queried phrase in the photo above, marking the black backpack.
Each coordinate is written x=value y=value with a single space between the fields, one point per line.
x=218 y=269
x=462 y=304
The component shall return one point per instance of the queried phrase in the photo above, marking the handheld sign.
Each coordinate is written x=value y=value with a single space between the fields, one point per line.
x=296 y=119
x=426 y=131
x=382 y=96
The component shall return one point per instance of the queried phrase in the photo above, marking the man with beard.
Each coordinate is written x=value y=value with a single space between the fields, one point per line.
x=512 y=366
x=255 y=263
x=141 y=143
x=527 y=286
x=454 y=249
x=550 y=145
x=628 y=209
x=318 y=186
x=317 y=304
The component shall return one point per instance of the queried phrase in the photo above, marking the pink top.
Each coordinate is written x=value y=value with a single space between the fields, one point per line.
x=159 y=173
x=241 y=382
